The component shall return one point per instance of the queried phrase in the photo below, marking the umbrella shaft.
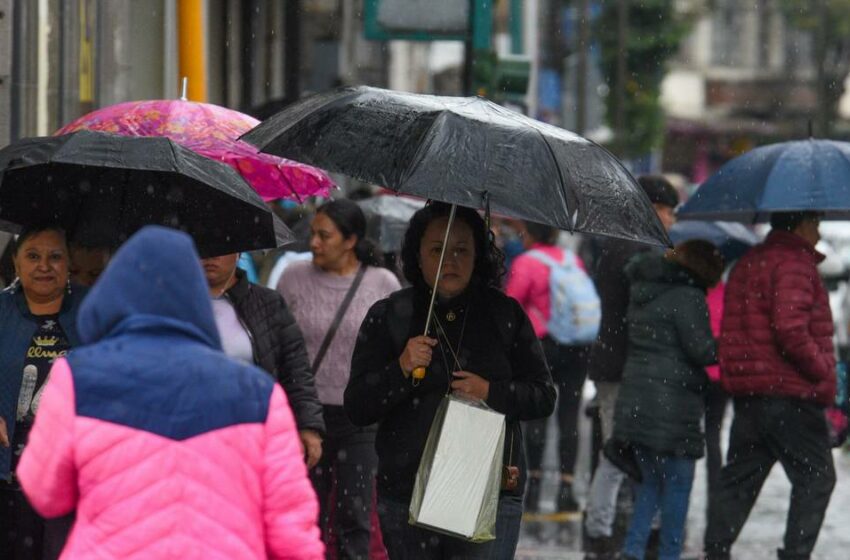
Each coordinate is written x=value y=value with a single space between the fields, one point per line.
x=439 y=269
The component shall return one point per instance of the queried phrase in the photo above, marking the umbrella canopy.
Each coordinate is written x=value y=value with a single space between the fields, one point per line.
x=211 y=131
x=107 y=187
x=465 y=151
x=785 y=177
x=387 y=219
x=730 y=238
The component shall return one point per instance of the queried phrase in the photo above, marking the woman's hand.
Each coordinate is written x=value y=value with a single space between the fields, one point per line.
x=4 y=433
x=416 y=354
x=311 y=443
x=470 y=386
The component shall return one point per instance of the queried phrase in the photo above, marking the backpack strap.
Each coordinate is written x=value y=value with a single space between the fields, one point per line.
x=540 y=256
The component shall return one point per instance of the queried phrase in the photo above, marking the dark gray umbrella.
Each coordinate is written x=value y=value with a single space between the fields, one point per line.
x=387 y=219
x=465 y=151
x=109 y=186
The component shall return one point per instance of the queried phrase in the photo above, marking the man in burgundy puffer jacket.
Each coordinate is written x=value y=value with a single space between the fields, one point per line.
x=777 y=360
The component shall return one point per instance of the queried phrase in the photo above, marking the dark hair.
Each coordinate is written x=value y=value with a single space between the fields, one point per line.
x=659 y=190
x=349 y=219
x=788 y=221
x=701 y=258
x=489 y=267
x=32 y=230
x=542 y=233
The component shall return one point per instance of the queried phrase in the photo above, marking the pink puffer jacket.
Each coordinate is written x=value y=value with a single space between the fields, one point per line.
x=235 y=492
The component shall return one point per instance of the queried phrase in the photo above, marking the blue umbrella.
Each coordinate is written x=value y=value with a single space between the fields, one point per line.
x=785 y=177
x=732 y=239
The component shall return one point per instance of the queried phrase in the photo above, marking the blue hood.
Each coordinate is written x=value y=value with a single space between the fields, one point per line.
x=152 y=359
x=154 y=278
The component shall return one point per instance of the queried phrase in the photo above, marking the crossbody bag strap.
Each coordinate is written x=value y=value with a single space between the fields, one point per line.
x=340 y=313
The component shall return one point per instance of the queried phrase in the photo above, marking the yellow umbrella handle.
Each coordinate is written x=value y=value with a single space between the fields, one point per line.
x=419 y=373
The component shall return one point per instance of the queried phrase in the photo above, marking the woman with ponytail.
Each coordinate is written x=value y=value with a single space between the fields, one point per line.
x=329 y=298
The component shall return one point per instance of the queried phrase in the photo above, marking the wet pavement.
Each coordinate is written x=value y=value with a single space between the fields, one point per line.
x=560 y=536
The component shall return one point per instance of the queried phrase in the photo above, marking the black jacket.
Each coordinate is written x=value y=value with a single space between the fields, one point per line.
x=608 y=354
x=278 y=348
x=498 y=344
x=661 y=399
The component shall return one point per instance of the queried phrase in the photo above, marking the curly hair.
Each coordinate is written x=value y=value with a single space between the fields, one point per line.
x=489 y=267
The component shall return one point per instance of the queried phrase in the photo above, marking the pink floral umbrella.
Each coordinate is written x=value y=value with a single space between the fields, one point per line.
x=211 y=131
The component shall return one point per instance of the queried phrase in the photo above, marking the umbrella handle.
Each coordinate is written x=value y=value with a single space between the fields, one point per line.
x=419 y=373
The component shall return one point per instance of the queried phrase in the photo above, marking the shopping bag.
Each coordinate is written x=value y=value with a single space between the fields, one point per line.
x=456 y=491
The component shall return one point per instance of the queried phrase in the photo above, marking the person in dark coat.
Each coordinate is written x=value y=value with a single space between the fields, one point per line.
x=778 y=363
x=661 y=400
x=257 y=327
x=607 y=358
x=483 y=347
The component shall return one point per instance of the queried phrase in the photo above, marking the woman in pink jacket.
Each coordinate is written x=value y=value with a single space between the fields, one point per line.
x=164 y=446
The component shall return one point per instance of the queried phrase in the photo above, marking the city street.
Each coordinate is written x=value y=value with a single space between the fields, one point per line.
x=761 y=536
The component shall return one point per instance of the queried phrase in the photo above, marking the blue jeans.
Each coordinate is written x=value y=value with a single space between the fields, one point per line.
x=408 y=542
x=666 y=484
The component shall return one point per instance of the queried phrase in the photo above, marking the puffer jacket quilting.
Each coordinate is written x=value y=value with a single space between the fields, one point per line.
x=661 y=400
x=163 y=446
x=776 y=336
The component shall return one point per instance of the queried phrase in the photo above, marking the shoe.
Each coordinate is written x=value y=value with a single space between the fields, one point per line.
x=599 y=548
x=566 y=500
x=532 y=495
x=652 y=544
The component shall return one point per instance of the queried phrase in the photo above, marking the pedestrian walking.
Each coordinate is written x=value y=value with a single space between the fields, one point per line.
x=483 y=348
x=165 y=447
x=560 y=300
x=778 y=363
x=38 y=315
x=329 y=298
x=607 y=358
x=660 y=404
x=256 y=327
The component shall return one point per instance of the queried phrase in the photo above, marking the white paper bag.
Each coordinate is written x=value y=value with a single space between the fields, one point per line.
x=457 y=485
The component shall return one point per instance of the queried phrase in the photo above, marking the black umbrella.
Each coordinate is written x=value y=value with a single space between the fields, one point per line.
x=468 y=152
x=465 y=151
x=387 y=218
x=106 y=186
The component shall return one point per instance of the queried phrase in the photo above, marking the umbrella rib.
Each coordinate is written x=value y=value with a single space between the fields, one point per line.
x=560 y=178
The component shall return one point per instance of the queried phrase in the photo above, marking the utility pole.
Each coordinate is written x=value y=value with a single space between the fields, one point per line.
x=292 y=50
x=622 y=39
x=581 y=70
x=6 y=7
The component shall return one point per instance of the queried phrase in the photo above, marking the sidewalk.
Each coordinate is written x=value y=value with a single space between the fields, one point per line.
x=761 y=536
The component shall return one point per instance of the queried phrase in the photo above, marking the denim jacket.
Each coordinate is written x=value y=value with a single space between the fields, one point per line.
x=17 y=327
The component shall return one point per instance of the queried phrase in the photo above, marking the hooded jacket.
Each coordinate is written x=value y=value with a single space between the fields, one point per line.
x=660 y=404
x=165 y=447
x=776 y=335
x=278 y=347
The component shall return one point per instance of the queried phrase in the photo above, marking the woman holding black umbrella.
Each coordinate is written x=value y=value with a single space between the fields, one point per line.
x=483 y=348
x=37 y=325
